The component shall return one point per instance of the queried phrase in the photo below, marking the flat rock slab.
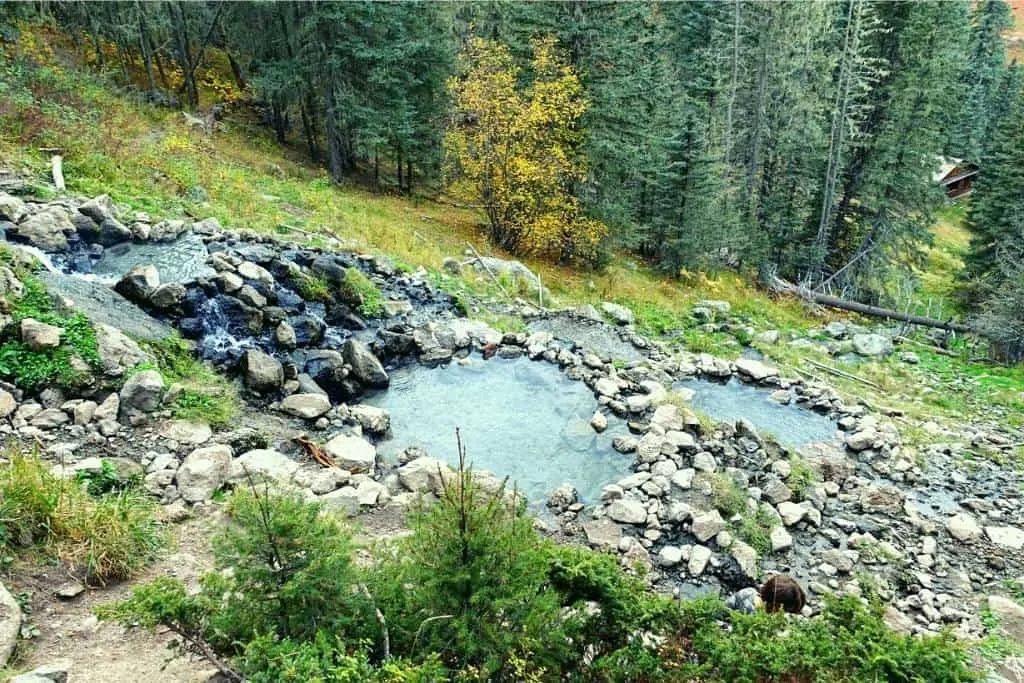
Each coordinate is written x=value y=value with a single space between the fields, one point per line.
x=593 y=336
x=603 y=533
x=1006 y=536
x=102 y=304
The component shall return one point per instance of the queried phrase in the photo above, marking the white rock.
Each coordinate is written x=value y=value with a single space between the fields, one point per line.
x=352 y=453
x=699 y=557
x=204 y=471
x=599 y=422
x=963 y=527
x=780 y=539
x=306 y=406
x=627 y=511
x=1006 y=536
x=707 y=525
x=670 y=556
x=265 y=461
x=791 y=513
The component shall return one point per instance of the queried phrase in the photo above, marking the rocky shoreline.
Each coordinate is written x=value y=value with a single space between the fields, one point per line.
x=865 y=513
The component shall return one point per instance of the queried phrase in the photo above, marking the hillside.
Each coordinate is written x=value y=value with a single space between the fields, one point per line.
x=276 y=307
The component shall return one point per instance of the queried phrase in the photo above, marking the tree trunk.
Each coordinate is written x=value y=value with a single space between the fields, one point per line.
x=781 y=285
x=147 y=58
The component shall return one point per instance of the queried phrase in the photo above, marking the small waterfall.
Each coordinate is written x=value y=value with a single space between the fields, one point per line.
x=218 y=343
x=39 y=254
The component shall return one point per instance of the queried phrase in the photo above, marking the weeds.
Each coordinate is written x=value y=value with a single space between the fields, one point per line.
x=205 y=394
x=111 y=536
x=360 y=290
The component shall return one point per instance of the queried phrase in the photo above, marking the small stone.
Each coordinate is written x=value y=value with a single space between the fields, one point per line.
x=352 y=453
x=39 y=336
x=707 y=525
x=699 y=557
x=704 y=462
x=627 y=511
x=963 y=527
x=599 y=422
x=780 y=539
x=306 y=406
x=670 y=556
x=791 y=513
x=69 y=590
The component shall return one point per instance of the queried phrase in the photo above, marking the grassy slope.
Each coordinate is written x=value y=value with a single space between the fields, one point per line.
x=149 y=158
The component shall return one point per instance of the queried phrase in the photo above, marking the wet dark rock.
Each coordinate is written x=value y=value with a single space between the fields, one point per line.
x=366 y=368
x=262 y=373
x=309 y=331
x=138 y=283
x=240 y=318
x=168 y=297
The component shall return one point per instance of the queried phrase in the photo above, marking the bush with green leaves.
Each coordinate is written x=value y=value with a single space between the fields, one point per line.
x=205 y=395
x=359 y=291
x=29 y=368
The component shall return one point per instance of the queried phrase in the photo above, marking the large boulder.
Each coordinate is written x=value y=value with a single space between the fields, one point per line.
x=12 y=209
x=365 y=366
x=871 y=345
x=371 y=418
x=306 y=406
x=203 y=472
x=48 y=229
x=262 y=373
x=117 y=351
x=618 y=313
x=142 y=392
x=352 y=453
x=168 y=296
x=39 y=336
x=10 y=624
x=425 y=474
x=627 y=511
x=138 y=283
x=99 y=208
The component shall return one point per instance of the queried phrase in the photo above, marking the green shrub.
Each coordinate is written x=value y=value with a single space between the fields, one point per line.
x=30 y=369
x=359 y=290
x=727 y=496
x=314 y=288
x=755 y=529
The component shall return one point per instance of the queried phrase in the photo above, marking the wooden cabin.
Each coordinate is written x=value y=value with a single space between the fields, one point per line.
x=956 y=177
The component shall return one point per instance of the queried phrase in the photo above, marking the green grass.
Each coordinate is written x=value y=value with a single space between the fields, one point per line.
x=29 y=368
x=105 y=537
x=205 y=396
x=360 y=290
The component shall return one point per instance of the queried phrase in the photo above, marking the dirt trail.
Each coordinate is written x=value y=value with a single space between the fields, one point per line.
x=107 y=652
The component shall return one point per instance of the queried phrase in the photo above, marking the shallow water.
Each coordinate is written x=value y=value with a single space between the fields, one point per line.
x=791 y=425
x=519 y=418
x=177 y=261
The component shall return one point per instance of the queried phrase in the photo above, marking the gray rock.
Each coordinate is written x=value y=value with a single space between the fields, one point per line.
x=262 y=373
x=881 y=498
x=862 y=439
x=371 y=418
x=307 y=406
x=138 y=283
x=746 y=558
x=51 y=418
x=39 y=336
x=142 y=392
x=112 y=232
x=603 y=533
x=365 y=366
x=251 y=271
x=10 y=624
x=344 y=501
x=284 y=335
x=963 y=527
x=871 y=345
x=266 y=462
x=424 y=474
x=99 y=208
x=746 y=601
x=791 y=513
x=670 y=556
x=627 y=511
x=12 y=209
x=620 y=314
x=185 y=432
x=1005 y=536
x=56 y=672
x=168 y=297
x=780 y=539
x=48 y=229
x=755 y=369
x=562 y=497
x=352 y=453
x=108 y=409
x=698 y=562
x=707 y=525
x=249 y=296
x=7 y=403
x=203 y=472
x=599 y=422
x=117 y=352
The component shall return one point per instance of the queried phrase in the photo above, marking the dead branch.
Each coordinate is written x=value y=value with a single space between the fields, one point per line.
x=314 y=451
x=840 y=373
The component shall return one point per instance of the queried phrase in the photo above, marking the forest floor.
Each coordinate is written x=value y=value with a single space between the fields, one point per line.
x=153 y=159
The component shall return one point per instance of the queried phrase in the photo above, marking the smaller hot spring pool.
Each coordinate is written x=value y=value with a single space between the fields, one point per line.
x=791 y=425
x=519 y=418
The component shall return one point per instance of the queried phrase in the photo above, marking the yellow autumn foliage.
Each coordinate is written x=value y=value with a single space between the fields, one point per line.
x=517 y=150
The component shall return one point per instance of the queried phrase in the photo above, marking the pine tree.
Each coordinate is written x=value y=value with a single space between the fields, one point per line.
x=986 y=64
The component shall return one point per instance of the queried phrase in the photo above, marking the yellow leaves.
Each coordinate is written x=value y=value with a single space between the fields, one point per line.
x=519 y=150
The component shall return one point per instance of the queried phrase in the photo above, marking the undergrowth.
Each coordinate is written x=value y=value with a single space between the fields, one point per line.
x=99 y=537
x=205 y=394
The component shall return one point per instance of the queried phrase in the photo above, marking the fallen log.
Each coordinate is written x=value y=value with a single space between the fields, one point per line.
x=781 y=285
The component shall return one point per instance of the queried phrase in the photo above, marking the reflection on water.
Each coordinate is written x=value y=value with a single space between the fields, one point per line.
x=177 y=261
